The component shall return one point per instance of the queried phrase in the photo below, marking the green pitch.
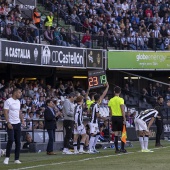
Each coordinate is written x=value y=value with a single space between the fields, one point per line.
x=105 y=160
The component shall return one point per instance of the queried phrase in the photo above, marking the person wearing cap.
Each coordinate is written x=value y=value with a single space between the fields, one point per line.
x=68 y=112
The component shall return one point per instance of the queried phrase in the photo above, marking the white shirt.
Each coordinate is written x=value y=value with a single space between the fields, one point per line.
x=14 y=108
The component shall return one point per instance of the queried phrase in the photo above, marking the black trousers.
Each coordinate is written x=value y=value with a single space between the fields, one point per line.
x=14 y=135
x=69 y=126
x=51 y=135
x=159 y=125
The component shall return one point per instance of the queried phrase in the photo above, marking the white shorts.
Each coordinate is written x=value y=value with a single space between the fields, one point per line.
x=140 y=125
x=94 y=128
x=80 y=130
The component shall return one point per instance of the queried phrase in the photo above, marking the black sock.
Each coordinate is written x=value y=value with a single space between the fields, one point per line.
x=116 y=142
x=122 y=145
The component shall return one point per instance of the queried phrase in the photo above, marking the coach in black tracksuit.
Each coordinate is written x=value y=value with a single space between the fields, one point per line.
x=159 y=120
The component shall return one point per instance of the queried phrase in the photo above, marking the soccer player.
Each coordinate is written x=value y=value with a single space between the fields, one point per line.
x=94 y=127
x=79 y=128
x=143 y=123
x=117 y=113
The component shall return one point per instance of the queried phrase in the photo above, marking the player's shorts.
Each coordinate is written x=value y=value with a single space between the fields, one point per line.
x=80 y=130
x=117 y=123
x=140 y=125
x=94 y=128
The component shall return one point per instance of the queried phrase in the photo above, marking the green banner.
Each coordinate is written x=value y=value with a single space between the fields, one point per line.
x=138 y=60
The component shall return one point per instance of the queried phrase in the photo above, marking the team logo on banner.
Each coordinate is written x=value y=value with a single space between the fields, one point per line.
x=46 y=55
x=57 y=56
x=35 y=54
x=94 y=59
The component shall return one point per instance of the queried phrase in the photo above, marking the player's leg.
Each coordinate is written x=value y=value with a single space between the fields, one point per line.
x=91 y=142
x=75 y=142
x=96 y=139
x=92 y=137
x=143 y=126
x=141 y=140
x=82 y=142
x=140 y=133
x=83 y=138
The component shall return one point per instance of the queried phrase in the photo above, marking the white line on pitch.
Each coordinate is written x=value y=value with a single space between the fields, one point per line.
x=81 y=160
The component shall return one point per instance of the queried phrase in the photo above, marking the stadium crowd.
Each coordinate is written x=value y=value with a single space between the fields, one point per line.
x=35 y=94
x=121 y=24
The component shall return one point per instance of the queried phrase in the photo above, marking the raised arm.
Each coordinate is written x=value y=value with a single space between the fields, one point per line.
x=105 y=92
x=87 y=93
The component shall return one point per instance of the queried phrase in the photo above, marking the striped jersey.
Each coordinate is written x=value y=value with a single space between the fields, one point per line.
x=78 y=116
x=94 y=108
x=147 y=115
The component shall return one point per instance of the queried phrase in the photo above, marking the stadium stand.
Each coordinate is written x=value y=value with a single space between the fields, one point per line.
x=132 y=25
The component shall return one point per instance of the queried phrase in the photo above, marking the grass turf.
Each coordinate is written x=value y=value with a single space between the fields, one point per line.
x=106 y=159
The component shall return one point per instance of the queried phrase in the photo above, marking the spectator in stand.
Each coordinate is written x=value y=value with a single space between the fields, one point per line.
x=48 y=35
x=36 y=17
x=8 y=32
x=58 y=38
x=167 y=94
x=86 y=40
x=47 y=5
x=49 y=20
x=75 y=20
x=144 y=95
x=65 y=36
x=148 y=11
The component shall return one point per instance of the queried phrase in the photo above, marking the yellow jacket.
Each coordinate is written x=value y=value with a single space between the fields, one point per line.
x=49 y=21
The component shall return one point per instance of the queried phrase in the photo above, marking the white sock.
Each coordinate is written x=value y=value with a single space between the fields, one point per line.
x=75 y=146
x=81 y=146
x=146 y=139
x=95 y=141
x=91 y=142
x=65 y=149
x=141 y=142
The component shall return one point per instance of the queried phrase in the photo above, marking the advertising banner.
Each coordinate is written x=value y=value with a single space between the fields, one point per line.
x=20 y=52
x=58 y=56
x=94 y=59
x=26 y=7
x=138 y=60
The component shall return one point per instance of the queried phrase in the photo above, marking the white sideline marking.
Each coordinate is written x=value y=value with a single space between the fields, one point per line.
x=86 y=159
x=81 y=160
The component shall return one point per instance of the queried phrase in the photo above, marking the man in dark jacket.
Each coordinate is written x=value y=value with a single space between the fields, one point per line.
x=50 y=117
x=160 y=107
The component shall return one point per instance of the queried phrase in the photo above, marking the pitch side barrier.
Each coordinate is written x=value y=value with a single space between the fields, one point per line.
x=51 y=56
x=138 y=60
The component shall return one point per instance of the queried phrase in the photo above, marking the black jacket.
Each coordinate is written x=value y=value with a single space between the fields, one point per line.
x=50 y=119
x=161 y=110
